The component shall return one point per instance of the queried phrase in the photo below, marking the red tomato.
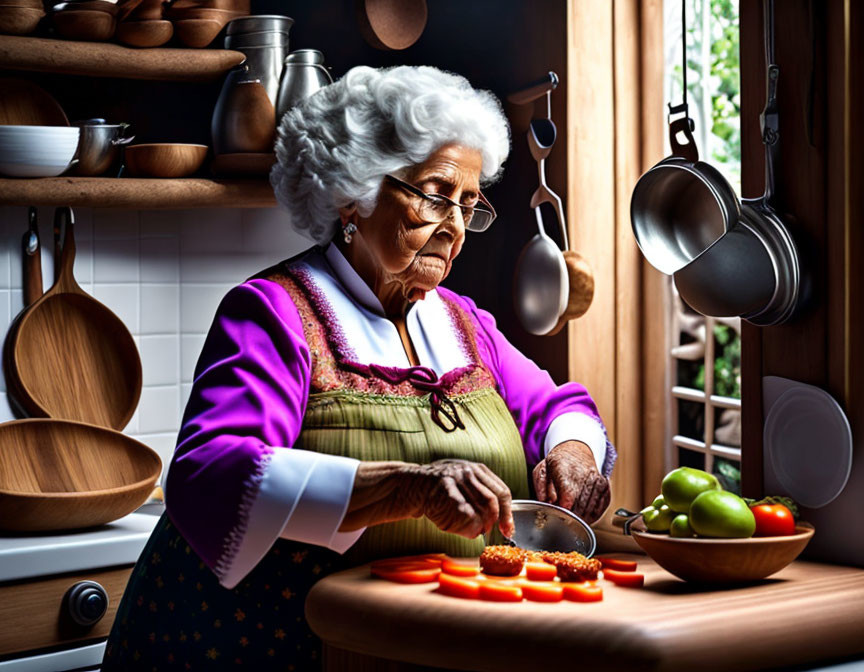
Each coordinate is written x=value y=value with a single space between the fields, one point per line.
x=582 y=592
x=773 y=520
x=628 y=579
x=620 y=565
x=407 y=573
x=545 y=591
x=540 y=571
x=460 y=567
x=455 y=586
x=500 y=591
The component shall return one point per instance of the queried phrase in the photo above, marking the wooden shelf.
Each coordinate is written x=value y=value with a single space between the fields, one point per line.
x=101 y=59
x=137 y=193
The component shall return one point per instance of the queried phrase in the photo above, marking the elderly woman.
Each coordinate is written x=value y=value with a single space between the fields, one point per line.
x=345 y=405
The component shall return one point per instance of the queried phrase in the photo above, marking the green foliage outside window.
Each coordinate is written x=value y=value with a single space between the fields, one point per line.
x=723 y=81
x=727 y=364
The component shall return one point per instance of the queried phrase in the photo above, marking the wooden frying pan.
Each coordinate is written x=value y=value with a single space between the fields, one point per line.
x=25 y=103
x=62 y=475
x=72 y=358
x=391 y=24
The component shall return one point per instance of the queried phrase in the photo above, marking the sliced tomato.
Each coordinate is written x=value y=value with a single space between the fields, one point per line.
x=545 y=591
x=540 y=571
x=407 y=573
x=456 y=586
x=500 y=591
x=619 y=565
x=582 y=592
x=460 y=567
x=627 y=579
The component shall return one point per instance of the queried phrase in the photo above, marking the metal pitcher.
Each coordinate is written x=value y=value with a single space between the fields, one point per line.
x=303 y=75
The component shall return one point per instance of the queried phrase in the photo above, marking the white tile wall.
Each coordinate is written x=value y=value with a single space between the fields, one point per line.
x=163 y=273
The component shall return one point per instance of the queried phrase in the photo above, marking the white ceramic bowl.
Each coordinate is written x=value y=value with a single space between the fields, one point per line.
x=37 y=151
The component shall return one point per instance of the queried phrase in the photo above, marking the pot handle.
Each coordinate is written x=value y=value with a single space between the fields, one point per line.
x=689 y=150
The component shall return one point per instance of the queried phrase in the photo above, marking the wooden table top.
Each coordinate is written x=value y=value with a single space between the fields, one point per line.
x=805 y=613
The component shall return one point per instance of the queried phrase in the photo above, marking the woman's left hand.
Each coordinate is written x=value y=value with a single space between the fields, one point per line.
x=569 y=478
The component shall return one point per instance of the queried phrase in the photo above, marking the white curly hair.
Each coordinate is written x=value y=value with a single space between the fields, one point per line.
x=335 y=147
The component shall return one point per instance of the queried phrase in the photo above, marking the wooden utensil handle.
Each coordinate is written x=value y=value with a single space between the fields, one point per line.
x=31 y=261
x=64 y=276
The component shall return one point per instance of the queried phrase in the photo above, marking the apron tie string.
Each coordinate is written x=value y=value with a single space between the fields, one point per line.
x=422 y=378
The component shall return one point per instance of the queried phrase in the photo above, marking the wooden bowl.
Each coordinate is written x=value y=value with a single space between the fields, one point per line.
x=197 y=33
x=240 y=6
x=147 y=10
x=221 y=15
x=87 y=5
x=242 y=164
x=19 y=20
x=704 y=560
x=62 y=475
x=164 y=159
x=30 y=4
x=24 y=103
x=144 y=33
x=89 y=25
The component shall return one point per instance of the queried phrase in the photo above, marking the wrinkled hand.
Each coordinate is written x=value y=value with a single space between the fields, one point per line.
x=569 y=478
x=462 y=497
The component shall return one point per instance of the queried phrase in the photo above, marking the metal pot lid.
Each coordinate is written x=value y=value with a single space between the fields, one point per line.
x=259 y=22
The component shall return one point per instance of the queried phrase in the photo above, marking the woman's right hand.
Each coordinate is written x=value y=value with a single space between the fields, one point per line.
x=464 y=498
x=460 y=497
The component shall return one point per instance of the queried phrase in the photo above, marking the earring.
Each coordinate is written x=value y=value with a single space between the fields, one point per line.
x=349 y=230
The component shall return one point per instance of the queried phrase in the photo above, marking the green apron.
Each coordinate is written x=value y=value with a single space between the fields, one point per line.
x=174 y=613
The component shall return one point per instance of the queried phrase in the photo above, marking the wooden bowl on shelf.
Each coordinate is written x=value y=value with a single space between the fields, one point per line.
x=144 y=33
x=147 y=10
x=19 y=20
x=197 y=33
x=167 y=160
x=88 y=6
x=63 y=475
x=89 y=25
x=30 y=4
x=715 y=561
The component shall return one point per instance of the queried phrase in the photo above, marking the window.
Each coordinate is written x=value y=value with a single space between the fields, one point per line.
x=705 y=360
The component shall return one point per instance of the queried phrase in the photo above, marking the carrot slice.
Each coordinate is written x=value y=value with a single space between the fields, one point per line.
x=582 y=592
x=460 y=567
x=407 y=574
x=542 y=592
x=434 y=559
x=456 y=586
x=619 y=565
x=628 y=579
x=500 y=591
x=540 y=571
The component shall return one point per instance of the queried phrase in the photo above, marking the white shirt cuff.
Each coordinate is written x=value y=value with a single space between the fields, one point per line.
x=575 y=426
x=303 y=496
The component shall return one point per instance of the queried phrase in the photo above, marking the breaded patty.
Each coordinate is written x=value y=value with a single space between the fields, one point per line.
x=502 y=560
x=573 y=566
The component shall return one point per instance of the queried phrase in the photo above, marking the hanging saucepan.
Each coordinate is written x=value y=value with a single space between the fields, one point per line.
x=728 y=258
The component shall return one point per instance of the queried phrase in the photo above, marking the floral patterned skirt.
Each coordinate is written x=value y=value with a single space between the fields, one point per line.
x=175 y=615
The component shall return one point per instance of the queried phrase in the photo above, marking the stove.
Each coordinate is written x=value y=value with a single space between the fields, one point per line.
x=59 y=593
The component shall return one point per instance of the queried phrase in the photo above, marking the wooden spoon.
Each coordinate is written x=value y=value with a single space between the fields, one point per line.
x=73 y=357
x=581 y=289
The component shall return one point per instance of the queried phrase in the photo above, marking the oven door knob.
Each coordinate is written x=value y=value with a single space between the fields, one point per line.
x=86 y=602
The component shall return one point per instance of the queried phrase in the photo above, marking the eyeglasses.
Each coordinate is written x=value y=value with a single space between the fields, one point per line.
x=434 y=208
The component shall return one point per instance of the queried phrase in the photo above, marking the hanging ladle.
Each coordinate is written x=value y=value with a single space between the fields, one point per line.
x=546 y=278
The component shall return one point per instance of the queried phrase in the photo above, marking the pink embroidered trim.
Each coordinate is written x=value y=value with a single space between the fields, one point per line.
x=324 y=310
x=251 y=487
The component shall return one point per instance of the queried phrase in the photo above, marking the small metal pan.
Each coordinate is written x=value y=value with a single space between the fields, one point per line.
x=546 y=527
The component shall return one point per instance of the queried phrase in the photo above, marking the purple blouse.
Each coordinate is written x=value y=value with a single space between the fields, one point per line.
x=234 y=486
